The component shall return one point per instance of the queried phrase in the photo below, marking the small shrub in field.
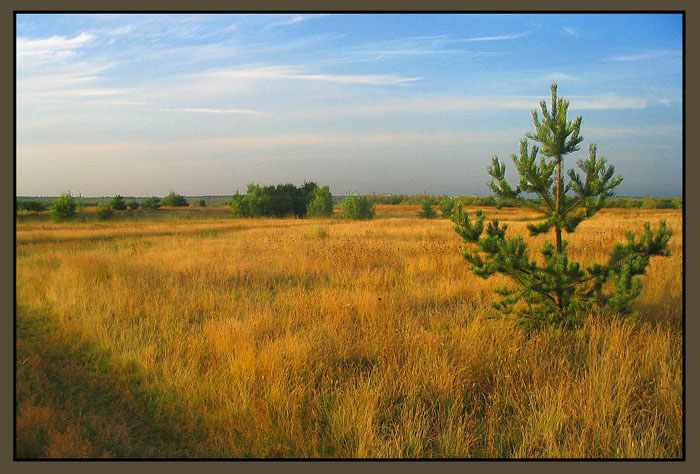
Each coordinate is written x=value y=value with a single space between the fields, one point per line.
x=118 y=203
x=133 y=204
x=174 y=200
x=317 y=232
x=104 y=212
x=151 y=203
x=447 y=205
x=357 y=207
x=202 y=203
x=427 y=211
x=321 y=204
x=63 y=207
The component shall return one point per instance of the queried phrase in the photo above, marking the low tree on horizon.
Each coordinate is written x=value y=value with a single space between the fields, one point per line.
x=173 y=199
x=63 y=207
x=151 y=203
x=321 y=204
x=427 y=211
x=118 y=203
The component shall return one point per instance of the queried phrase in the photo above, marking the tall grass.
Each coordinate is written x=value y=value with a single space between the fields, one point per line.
x=280 y=338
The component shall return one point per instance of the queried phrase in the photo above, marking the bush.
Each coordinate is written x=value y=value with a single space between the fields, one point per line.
x=272 y=201
x=63 y=207
x=447 y=205
x=202 y=203
x=151 y=203
x=427 y=211
x=174 y=200
x=317 y=232
x=31 y=206
x=133 y=204
x=357 y=207
x=118 y=203
x=239 y=206
x=104 y=212
x=322 y=203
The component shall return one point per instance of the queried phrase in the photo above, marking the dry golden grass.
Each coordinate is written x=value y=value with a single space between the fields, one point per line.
x=325 y=338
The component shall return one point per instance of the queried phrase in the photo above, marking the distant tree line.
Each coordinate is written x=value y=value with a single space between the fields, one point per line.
x=490 y=201
x=288 y=200
x=283 y=200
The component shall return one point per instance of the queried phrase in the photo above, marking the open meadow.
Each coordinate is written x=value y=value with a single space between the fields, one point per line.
x=300 y=338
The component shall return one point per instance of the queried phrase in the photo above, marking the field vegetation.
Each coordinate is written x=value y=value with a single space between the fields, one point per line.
x=186 y=333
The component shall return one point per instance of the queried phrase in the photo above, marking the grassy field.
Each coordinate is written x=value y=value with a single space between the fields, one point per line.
x=219 y=337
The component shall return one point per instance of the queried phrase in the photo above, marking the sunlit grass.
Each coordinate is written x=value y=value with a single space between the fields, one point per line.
x=327 y=338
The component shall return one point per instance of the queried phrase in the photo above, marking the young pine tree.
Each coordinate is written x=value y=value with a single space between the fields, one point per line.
x=557 y=291
x=427 y=211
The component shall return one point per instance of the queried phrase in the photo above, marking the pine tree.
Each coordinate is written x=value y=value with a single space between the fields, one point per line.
x=118 y=203
x=427 y=211
x=558 y=291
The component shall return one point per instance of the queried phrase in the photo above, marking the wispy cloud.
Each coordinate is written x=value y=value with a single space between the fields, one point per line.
x=571 y=31
x=499 y=37
x=69 y=81
x=435 y=105
x=55 y=48
x=607 y=102
x=292 y=20
x=203 y=110
x=621 y=132
x=280 y=142
x=645 y=56
x=298 y=73
x=560 y=76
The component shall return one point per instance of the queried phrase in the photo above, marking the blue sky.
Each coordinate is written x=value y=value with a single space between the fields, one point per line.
x=142 y=104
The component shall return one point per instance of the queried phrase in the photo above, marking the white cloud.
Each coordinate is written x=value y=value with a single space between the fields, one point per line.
x=560 y=76
x=202 y=110
x=292 y=20
x=571 y=31
x=606 y=102
x=499 y=37
x=224 y=77
x=644 y=56
x=76 y=80
x=55 y=48
x=622 y=132
x=445 y=104
x=283 y=142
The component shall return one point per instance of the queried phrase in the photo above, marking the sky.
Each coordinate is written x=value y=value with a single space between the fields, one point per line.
x=145 y=104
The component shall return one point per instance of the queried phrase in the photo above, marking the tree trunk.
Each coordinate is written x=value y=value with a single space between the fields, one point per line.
x=557 y=233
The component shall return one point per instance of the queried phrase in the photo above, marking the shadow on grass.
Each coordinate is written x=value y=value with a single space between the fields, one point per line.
x=74 y=400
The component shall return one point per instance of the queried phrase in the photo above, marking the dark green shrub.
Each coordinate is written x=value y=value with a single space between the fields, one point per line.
x=447 y=205
x=133 y=204
x=63 y=207
x=104 y=212
x=151 y=203
x=272 y=201
x=202 y=203
x=357 y=207
x=32 y=206
x=427 y=211
x=174 y=200
x=118 y=203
